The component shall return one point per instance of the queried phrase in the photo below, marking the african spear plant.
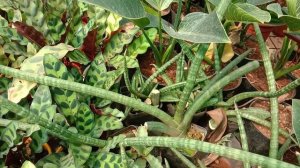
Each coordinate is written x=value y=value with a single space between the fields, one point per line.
x=65 y=91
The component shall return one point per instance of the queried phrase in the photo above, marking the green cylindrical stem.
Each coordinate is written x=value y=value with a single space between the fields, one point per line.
x=207 y=94
x=90 y=90
x=258 y=121
x=246 y=95
x=227 y=69
x=182 y=143
x=178 y=85
x=190 y=83
x=172 y=142
x=159 y=71
x=185 y=160
x=272 y=88
x=242 y=134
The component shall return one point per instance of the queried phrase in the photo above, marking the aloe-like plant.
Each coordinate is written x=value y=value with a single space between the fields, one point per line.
x=65 y=64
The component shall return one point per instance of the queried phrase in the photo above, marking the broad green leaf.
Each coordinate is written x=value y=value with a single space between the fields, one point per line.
x=28 y=164
x=112 y=77
x=8 y=135
x=259 y=2
x=42 y=103
x=67 y=161
x=247 y=13
x=276 y=8
x=293 y=8
x=96 y=72
x=160 y=5
x=244 y=12
x=191 y=29
x=296 y=118
x=81 y=153
x=118 y=62
x=52 y=160
x=141 y=45
x=65 y=99
x=105 y=123
x=131 y=9
x=85 y=121
x=38 y=139
x=34 y=64
x=292 y=22
x=118 y=41
x=112 y=23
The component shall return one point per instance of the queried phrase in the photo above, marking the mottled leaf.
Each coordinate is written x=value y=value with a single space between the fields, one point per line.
x=34 y=64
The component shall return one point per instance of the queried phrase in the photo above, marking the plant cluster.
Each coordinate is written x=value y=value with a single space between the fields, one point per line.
x=74 y=93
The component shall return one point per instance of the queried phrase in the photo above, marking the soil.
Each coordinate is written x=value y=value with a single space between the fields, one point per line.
x=147 y=63
x=285 y=118
x=258 y=80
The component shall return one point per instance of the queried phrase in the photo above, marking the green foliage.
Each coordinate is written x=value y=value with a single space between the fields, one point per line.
x=118 y=41
x=66 y=100
x=106 y=159
x=296 y=118
x=85 y=119
x=141 y=45
x=190 y=29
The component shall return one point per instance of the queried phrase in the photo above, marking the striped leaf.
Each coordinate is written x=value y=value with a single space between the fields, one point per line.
x=8 y=136
x=84 y=119
x=100 y=16
x=118 y=62
x=42 y=106
x=118 y=41
x=96 y=72
x=81 y=153
x=65 y=99
x=141 y=45
x=34 y=12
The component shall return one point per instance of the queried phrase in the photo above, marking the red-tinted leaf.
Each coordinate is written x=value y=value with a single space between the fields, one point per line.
x=89 y=45
x=30 y=33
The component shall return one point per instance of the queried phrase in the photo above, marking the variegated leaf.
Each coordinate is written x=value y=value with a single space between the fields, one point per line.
x=65 y=99
x=85 y=121
x=141 y=45
x=34 y=64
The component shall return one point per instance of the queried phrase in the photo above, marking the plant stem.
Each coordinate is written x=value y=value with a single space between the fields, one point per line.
x=242 y=133
x=170 y=49
x=207 y=94
x=257 y=120
x=159 y=71
x=277 y=93
x=160 y=33
x=162 y=128
x=190 y=83
x=283 y=72
x=188 y=6
x=182 y=143
x=157 y=55
x=218 y=68
x=185 y=160
x=52 y=128
x=171 y=142
x=272 y=88
x=90 y=90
